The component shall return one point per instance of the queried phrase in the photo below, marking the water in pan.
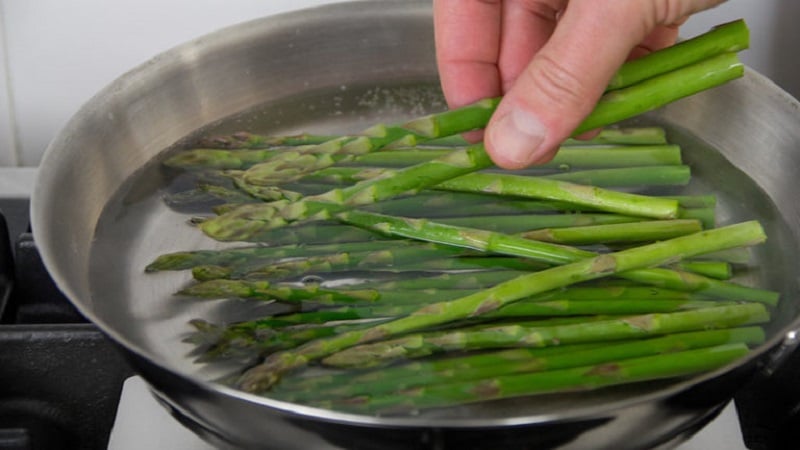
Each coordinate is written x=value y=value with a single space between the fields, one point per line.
x=137 y=226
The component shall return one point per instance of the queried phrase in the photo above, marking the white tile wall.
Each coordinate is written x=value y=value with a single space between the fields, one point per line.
x=8 y=154
x=57 y=54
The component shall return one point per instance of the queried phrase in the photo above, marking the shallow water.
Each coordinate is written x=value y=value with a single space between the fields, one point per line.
x=137 y=226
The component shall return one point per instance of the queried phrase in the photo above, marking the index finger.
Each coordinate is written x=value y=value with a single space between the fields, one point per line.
x=467 y=34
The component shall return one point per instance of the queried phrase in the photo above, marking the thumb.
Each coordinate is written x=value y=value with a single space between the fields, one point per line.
x=564 y=80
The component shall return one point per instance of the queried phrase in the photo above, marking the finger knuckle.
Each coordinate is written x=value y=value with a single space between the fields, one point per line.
x=558 y=83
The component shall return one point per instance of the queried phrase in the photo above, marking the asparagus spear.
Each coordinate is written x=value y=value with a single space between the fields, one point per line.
x=260 y=378
x=264 y=290
x=540 y=188
x=721 y=270
x=544 y=252
x=505 y=362
x=609 y=233
x=730 y=37
x=243 y=342
x=425 y=344
x=627 y=176
x=187 y=259
x=380 y=257
x=662 y=89
x=244 y=139
x=247 y=220
x=671 y=175
x=247 y=340
x=568 y=156
x=616 y=293
x=640 y=295
x=583 y=378
x=291 y=165
x=651 y=135
x=615 y=106
x=205 y=194
x=631 y=135
x=707 y=216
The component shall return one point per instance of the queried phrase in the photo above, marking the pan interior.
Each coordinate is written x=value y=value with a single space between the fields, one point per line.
x=136 y=226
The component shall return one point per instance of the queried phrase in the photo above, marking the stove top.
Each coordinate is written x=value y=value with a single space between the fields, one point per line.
x=63 y=383
x=60 y=378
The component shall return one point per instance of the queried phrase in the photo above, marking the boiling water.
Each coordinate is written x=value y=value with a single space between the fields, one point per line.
x=137 y=226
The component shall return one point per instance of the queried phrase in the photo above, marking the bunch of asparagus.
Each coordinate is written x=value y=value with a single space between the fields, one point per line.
x=413 y=274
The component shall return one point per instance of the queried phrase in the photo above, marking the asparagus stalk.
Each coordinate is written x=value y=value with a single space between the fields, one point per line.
x=628 y=176
x=344 y=263
x=320 y=316
x=432 y=204
x=231 y=256
x=244 y=139
x=292 y=165
x=672 y=175
x=730 y=37
x=247 y=220
x=652 y=135
x=695 y=201
x=505 y=362
x=545 y=252
x=264 y=290
x=210 y=158
x=452 y=204
x=594 y=295
x=540 y=188
x=612 y=136
x=568 y=156
x=554 y=308
x=622 y=293
x=452 y=280
x=662 y=89
x=425 y=344
x=361 y=254
x=247 y=340
x=647 y=368
x=259 y=233
x=236 y=343
x=517 y=223
x=613 y=233
x=631 y=135
x=239 y=342
x=380 y=257
x=720 y=270
x=206 y=194
x=260 y=378
x=707 y=216
x=615 y=106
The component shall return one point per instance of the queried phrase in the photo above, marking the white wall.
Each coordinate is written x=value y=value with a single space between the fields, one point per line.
x=55 y=54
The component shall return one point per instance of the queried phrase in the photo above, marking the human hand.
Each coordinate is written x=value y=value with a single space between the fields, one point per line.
x=550 y=59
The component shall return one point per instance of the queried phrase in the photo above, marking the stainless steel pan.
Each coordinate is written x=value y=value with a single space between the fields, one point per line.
x=98 y=219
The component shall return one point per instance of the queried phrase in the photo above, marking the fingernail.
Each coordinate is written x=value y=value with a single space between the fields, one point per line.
x=518 y=136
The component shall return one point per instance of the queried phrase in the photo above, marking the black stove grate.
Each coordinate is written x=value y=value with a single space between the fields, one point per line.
x=60 y=377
